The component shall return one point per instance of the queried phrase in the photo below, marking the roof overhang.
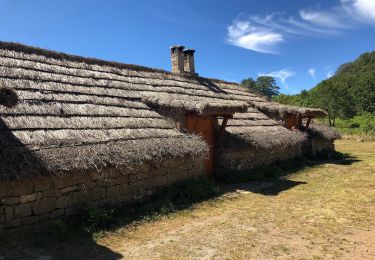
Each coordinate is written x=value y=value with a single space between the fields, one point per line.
x=201 y=107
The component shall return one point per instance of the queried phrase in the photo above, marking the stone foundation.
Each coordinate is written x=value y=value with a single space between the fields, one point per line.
x=321 y=144
x=36 y=203
x=250 y=157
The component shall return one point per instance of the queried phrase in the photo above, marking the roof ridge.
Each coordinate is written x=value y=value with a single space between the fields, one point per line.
x=20 y=47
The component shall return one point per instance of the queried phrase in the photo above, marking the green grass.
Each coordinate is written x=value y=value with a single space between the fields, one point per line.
x=360 y=126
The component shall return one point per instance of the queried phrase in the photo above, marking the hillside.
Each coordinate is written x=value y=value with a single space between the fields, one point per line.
x=350 y=92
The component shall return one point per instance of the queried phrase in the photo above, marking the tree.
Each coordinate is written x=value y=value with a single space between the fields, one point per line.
x=264 y=85
x=249 y=83
x=350 y=92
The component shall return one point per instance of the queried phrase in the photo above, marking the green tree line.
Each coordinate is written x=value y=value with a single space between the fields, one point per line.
x=349 y=93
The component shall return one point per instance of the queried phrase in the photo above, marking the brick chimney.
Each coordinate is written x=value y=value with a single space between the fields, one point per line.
x=177 y=57
x=189 y=65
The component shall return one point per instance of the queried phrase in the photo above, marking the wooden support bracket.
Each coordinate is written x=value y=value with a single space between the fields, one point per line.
x=220 y=132
x=308 y=122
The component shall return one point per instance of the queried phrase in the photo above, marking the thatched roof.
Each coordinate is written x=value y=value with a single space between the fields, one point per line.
x=278 y=111
x=201 y=107
x=272 y=109
x=75 y=114
x=323 y=131
x=256 y=129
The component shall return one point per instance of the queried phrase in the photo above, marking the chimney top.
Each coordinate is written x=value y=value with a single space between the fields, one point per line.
x=189 y=51
x=178 y=47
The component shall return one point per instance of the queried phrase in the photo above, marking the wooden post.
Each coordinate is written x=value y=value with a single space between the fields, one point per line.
x=308 y=122
x=222 y=127
x=298 y=119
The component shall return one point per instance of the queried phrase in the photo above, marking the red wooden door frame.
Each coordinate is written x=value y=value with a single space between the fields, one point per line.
x=204 y=126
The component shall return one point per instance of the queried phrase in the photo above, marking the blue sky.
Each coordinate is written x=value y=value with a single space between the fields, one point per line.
x=300 y=42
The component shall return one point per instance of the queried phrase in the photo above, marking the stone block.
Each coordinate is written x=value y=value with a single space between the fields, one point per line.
x=93 y=204
x=71 y=211
x=155 y=182
x=3 y=189
x=107 y=202
x=98 y=193
x=22 y=210
x=45 y=217
x=176 y=177
x=30 y=220
x=114 y=173
x=9 y=213
x=143 y=168
x=140 y=194
x=80 y=178
x=73 y=198
x=86 y=185
x=42 y=184
x=135 y=187
x=123 y=179
x=31 y=197
x=62 y=181
x=43 y=206
x=10 y=201
x=85 y=196
x=68 y=189
x=124 y=199
x=124 y=189
x=13 y=223
x=57 y=213
x=136 y=177
x=18 y=188
x=113 y=192
x=48 y=193
x=95 y=175
x=62 y=202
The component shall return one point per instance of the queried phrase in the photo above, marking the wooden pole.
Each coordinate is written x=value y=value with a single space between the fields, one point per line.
x=308 y=122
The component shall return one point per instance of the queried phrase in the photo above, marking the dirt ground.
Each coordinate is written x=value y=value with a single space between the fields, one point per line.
x=322 y=212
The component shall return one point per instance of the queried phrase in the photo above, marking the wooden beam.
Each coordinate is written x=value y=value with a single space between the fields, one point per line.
x=308 y=122
x=222 y=128
x=298 y=120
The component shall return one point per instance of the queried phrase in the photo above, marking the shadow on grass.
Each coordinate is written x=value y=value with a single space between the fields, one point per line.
x=75 y=247
x=65 y=241
x=270 y=180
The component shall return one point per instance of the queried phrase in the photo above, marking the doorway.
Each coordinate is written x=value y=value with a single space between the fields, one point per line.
x=204 y=126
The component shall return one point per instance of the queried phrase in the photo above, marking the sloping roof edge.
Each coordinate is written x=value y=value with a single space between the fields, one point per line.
x=200 y=107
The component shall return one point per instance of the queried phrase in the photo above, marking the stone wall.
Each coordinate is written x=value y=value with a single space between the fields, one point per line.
x=38 y=202
x=321 y=144
x=250 y=157
x=314 y=145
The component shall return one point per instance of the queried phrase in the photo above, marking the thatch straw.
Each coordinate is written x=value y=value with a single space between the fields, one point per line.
x=77 y=113
x=200 y=107
x=279 y=111
x=19 y=162
x=322 y=131
x=272 y=109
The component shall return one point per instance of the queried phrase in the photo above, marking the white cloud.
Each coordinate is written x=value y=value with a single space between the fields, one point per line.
x=251 y=37
x=329 y=74
x=283 y=74
x=265 y=33
x=362 y=9
x=323 y=19
x=312 y=72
